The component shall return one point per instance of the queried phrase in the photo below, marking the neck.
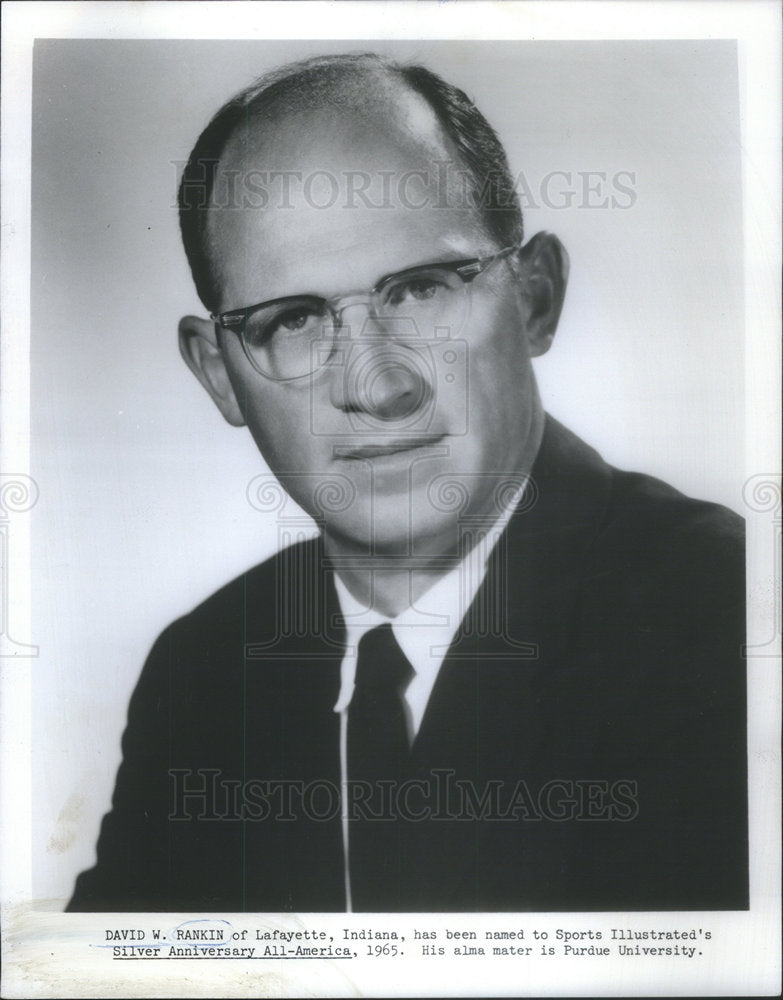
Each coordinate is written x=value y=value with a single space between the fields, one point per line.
x=387 y=590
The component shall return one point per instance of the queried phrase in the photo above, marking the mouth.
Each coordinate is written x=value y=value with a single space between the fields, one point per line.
x=380 y=450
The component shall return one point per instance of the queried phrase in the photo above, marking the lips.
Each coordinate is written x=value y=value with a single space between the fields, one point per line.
x=381 y=449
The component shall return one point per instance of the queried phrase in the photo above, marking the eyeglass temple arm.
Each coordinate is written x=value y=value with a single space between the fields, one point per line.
x=469 y=271
x=227 y=321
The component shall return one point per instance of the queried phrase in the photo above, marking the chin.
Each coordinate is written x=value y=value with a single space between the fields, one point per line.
x=382 y=538
x=386 y=534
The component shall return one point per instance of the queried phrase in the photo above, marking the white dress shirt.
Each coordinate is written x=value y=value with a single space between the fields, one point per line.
x=424 y=631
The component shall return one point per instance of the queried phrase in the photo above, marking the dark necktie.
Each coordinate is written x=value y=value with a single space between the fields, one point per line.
x=378 y=762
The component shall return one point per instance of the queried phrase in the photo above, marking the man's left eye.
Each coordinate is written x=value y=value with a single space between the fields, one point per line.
x=415 y=289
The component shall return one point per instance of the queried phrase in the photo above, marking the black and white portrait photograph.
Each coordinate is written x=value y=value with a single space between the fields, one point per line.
x=391 y=500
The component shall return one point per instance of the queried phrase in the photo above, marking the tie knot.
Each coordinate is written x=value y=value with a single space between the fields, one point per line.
x=381 y=665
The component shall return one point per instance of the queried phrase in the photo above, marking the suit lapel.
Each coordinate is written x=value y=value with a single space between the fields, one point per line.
x=532 y=587
x=487 y=718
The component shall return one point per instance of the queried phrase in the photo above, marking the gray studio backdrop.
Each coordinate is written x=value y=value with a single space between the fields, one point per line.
x=630 y=151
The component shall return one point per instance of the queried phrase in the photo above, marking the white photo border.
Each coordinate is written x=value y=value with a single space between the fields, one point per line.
x=51 y=954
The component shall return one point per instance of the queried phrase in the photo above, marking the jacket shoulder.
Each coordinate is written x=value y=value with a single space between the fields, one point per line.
x=672 y=529
x=673 y=560
x=637 y=540
x=248 y=605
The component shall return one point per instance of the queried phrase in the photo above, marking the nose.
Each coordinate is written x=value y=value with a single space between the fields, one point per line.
x=380 y=377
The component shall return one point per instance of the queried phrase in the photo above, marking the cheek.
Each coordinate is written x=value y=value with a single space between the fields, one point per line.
x=282 y=426
x=499 y=362
x=497 y=329
x=502 y=390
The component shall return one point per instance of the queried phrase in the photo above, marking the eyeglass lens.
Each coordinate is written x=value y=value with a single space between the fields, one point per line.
x=285 y=340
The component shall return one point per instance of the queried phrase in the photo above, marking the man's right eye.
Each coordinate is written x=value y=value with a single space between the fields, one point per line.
x=300 y=320
x=294 y=319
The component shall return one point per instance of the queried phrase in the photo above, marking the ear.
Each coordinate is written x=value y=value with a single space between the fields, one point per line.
x=544 y=276
x=198 y=345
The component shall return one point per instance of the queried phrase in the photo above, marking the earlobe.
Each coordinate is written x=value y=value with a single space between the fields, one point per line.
x=201 y=352
x=545 y=276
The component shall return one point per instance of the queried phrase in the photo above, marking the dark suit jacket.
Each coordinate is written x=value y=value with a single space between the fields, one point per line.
x=589 y=722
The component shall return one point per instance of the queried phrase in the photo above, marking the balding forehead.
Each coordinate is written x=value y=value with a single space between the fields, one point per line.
x=342 y=118
x=310 y=157
x=380 y=111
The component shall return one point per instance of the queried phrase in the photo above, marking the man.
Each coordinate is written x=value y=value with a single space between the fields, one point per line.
x=505 y=676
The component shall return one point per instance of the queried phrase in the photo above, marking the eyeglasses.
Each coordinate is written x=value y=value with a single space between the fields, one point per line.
x=294 y=336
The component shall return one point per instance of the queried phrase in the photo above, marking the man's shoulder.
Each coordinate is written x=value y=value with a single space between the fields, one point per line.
x=636 y=532
x=248 y=606
x=641 y=503
x=626 y=502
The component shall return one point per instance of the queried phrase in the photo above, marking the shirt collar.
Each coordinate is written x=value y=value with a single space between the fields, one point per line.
x=425 y=629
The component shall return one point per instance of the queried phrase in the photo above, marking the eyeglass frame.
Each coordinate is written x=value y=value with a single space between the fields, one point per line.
x=234 y=320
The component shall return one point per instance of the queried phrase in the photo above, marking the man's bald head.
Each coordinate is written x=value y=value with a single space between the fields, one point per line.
x=369 y=99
